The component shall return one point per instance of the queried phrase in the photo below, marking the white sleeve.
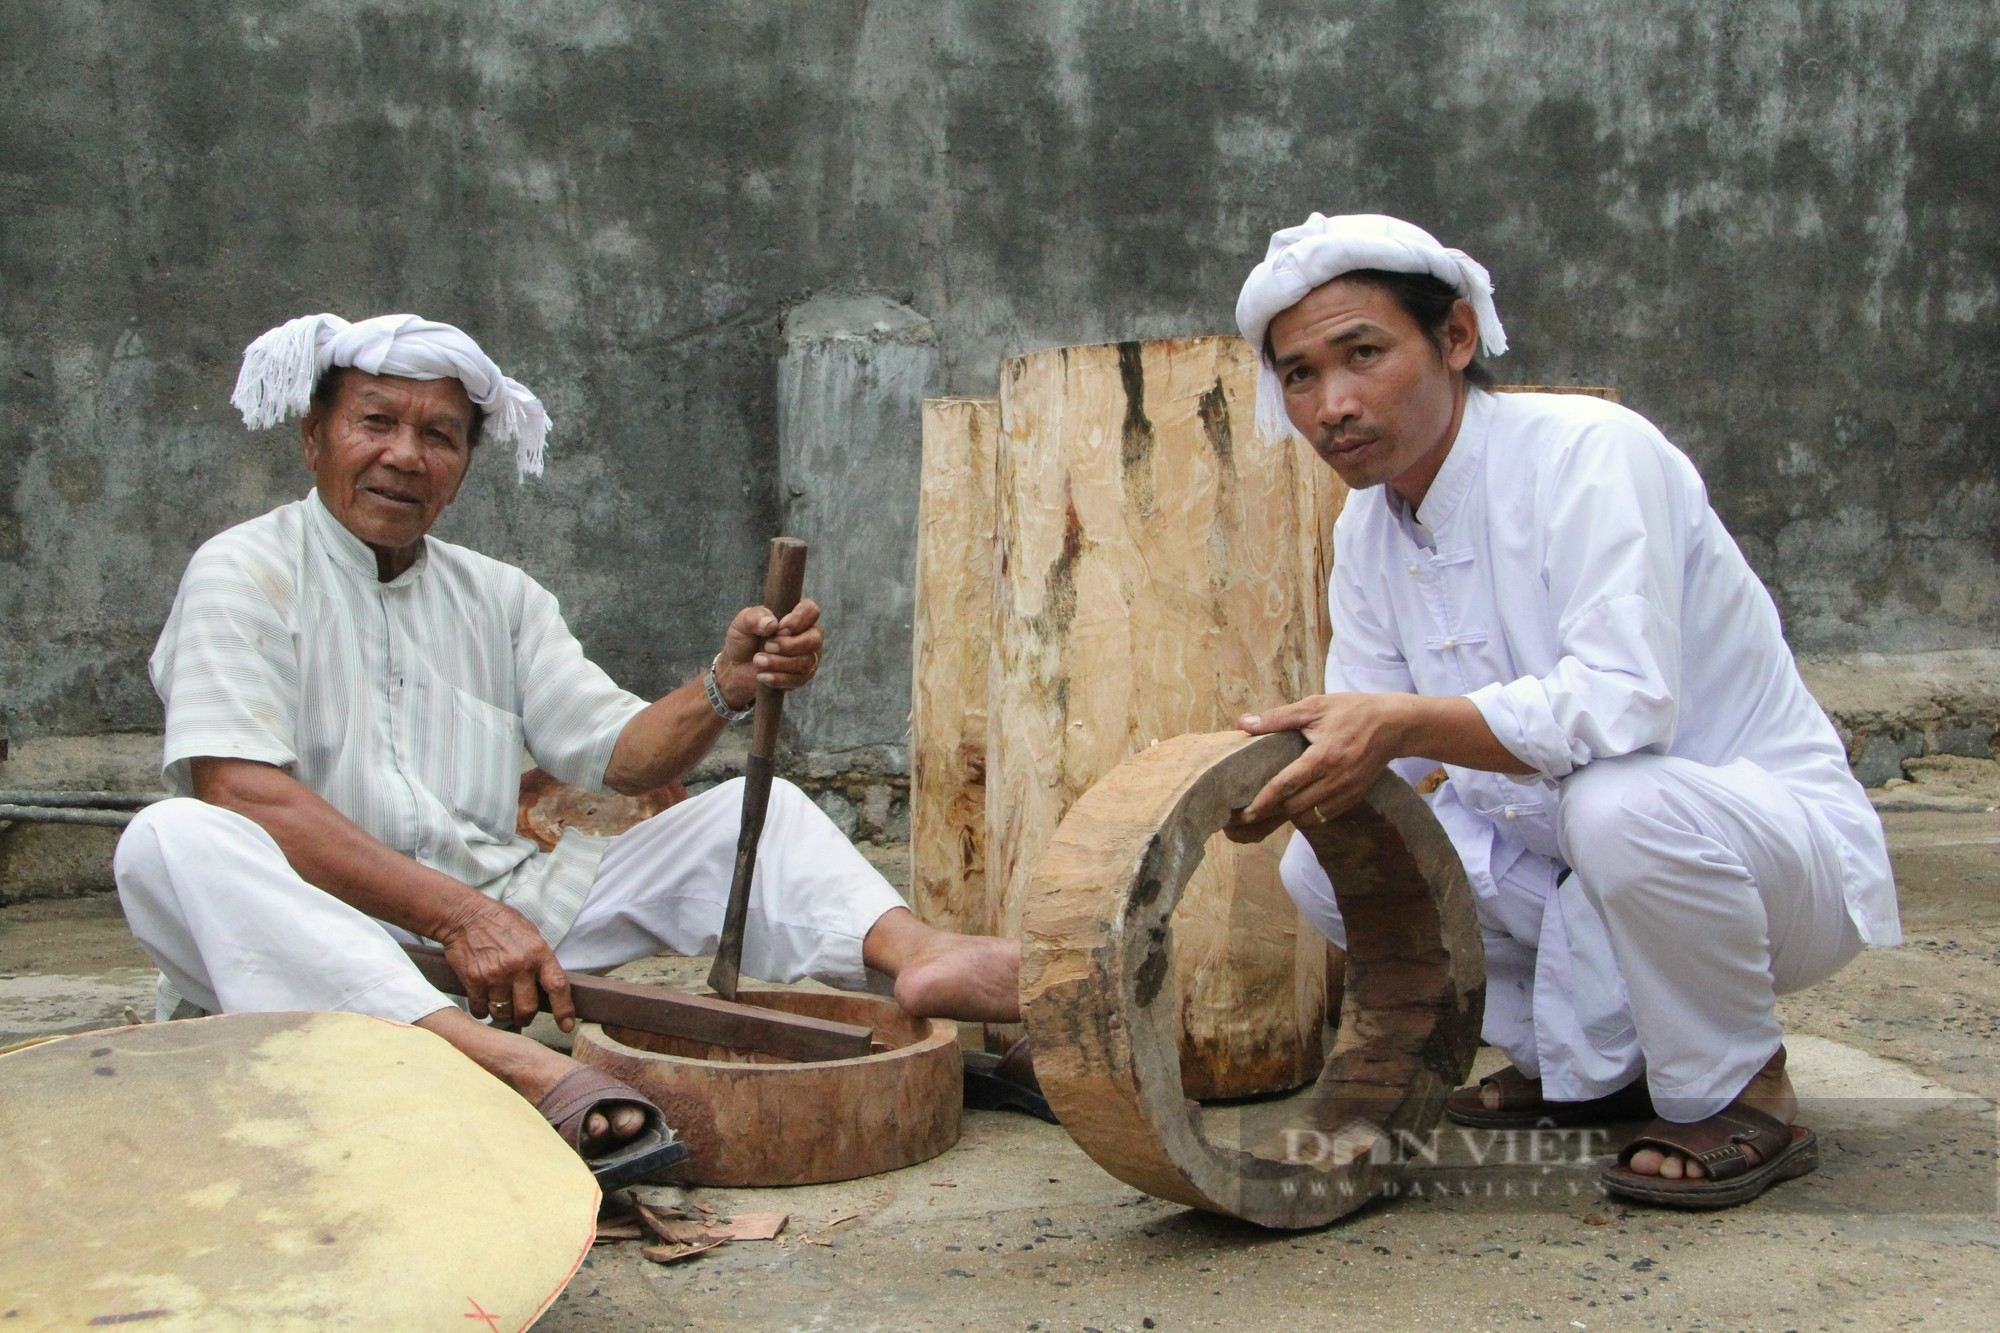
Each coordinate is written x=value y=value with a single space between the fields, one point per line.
x=572 y=712
x=1614 y=548
x=226 y=665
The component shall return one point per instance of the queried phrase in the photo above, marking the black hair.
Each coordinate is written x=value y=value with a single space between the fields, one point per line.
x=1427 y=301
x=327 y=388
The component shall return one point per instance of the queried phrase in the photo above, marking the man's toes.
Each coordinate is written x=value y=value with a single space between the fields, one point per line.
x=1647 y=1162
x=1489 y=1097
x=601 y=1132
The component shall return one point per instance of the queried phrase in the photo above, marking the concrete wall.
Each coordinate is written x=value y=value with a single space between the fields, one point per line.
x=1774 y=224
x=851 y=389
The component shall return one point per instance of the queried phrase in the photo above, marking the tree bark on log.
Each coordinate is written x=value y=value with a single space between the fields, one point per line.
x=1161 y=570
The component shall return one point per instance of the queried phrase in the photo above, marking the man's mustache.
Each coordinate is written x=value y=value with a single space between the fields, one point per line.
x=1329 y=441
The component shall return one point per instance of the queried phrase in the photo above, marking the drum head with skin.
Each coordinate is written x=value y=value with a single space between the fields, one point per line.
x=278 y=1171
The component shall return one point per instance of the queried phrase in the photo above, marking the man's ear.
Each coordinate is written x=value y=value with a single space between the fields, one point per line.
x=1461 y=334
x=309 y=438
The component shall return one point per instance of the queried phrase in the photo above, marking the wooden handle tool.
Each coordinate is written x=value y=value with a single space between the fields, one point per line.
x=628 y=1004
x=784 y=582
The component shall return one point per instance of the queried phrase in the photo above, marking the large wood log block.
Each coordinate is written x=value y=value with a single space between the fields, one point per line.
x=1100 y=950
x=952 y=641
x=1161 y=570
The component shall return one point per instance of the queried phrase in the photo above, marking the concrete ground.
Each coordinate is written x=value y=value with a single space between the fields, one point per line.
x=1016 y=1229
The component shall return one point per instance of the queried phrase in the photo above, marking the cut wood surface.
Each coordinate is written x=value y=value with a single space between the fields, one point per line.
x=953 y=640
x=1161 y=570
x=261 y=1171
x=748 y=1120
x=1100 y=947
x=550 y=807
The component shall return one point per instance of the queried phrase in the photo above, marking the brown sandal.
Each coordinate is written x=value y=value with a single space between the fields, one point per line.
x=1522 y=1107
x=567 y=1106
x=1718 y=1143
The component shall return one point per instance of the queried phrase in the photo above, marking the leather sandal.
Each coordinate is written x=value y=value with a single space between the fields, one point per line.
x=1522 y=1106
x=567 y=1106
x=1718 y=1143
x=1722 y=1144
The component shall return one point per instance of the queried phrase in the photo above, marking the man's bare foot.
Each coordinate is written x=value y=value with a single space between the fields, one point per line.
x=942 y=974
x=531 y=1069
x=1770 y=1091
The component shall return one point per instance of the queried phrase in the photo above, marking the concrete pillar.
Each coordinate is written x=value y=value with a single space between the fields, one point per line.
x=851 y=387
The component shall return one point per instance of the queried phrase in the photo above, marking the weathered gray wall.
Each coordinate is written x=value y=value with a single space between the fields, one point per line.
x=851 y=389
x=1774 y=224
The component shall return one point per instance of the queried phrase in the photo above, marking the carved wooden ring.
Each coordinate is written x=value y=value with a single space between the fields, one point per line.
x=755 y=1120
x=1096 y=993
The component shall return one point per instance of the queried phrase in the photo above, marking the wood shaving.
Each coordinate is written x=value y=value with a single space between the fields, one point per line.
x=673 y=1254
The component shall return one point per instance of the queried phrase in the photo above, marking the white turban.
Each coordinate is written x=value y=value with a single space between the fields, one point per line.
x=1319 y=250
x=281 y=367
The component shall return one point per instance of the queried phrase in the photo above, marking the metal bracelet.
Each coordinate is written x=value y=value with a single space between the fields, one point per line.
x=717 y=702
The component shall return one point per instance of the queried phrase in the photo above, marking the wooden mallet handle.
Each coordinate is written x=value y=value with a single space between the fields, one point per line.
x=784 y=583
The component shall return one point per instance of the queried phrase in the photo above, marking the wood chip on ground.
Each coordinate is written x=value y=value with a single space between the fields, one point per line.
x=619 y=1231
x=673 y=1254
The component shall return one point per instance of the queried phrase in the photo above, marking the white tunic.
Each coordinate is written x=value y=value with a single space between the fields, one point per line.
x=1566 y=572
x=405 y=704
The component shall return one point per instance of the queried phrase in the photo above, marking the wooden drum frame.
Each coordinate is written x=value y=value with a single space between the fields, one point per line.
x=760 y=1120
x=1097 y=998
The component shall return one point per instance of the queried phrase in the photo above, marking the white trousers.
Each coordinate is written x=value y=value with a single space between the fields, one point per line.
x=233 y=927
x=1695 y=897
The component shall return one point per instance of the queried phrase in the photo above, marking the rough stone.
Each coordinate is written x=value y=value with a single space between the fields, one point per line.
x=1879 y=758
x=54 y=861
x=840 y=810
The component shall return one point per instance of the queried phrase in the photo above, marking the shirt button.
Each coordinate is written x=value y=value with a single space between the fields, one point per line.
x=1507 y=814
x=1413 y=569
x=1451 y=643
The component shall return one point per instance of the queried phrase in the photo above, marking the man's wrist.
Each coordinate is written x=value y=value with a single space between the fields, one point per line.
x=716 y=684
x=456 y=915
x=1410 y=726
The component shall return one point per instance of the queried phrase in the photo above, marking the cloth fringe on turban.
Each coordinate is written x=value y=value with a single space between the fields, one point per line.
x=1321 y=249
x=281 y=367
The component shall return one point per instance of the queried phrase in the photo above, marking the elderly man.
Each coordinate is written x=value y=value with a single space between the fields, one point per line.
x=1659 y=824
x=347 y=700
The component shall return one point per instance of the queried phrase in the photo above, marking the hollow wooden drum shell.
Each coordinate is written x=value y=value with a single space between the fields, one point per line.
x=752 y=1120
x=1097 y=995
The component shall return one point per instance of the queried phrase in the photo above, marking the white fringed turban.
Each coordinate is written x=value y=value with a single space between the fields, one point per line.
x=281 y=367
x=1322 y=248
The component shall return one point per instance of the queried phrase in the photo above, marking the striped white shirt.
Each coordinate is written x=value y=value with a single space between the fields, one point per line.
x=404 y=704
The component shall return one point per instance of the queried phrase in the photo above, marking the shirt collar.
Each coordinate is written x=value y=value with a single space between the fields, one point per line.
x=349 y=550
x=1454 y=478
